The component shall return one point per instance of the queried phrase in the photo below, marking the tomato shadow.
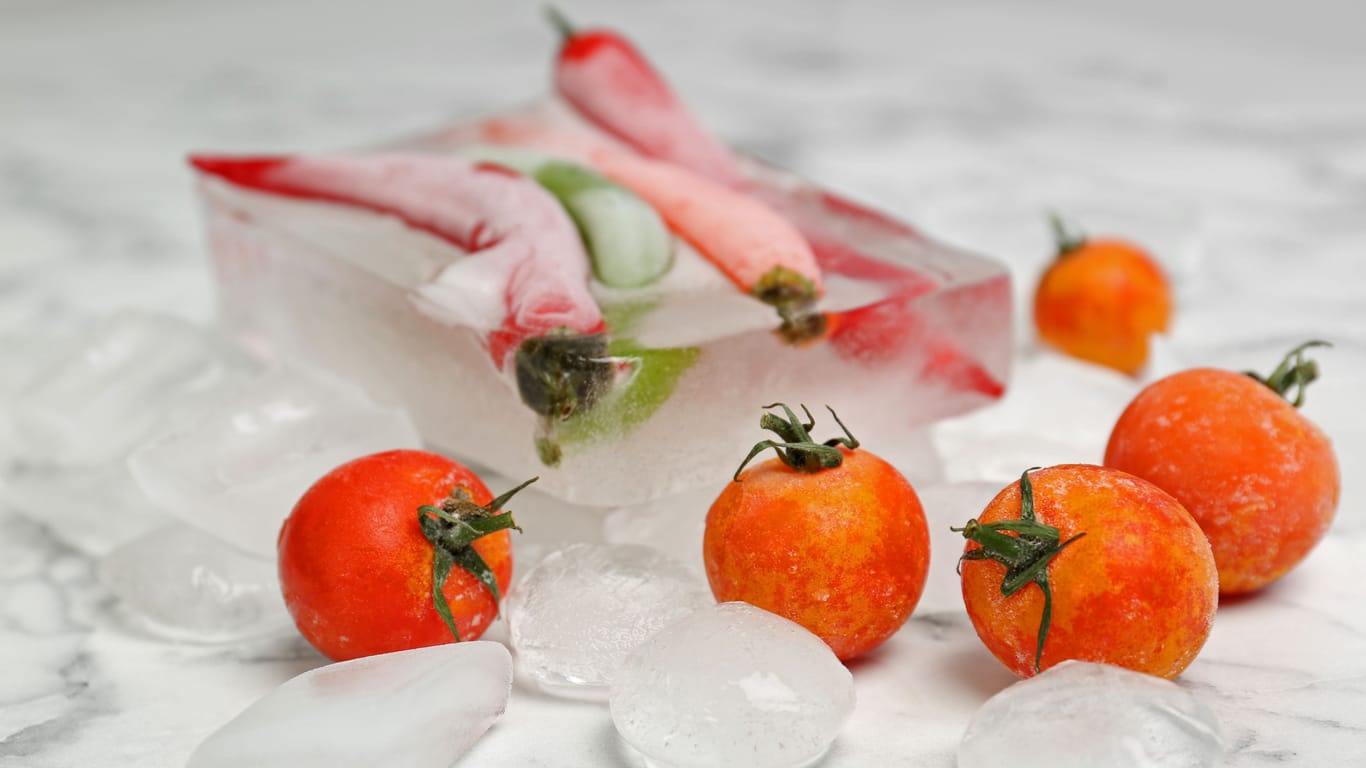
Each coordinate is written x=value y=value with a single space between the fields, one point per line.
x=977 y=671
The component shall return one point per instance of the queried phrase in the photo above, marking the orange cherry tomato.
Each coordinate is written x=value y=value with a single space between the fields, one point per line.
x=1085 y=562
x=1260 y=479
x=1101 y=300
x=357 y=565
x=831 y=537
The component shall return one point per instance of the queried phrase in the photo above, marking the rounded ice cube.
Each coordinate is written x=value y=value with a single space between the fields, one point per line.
x=732 y=684
x=181 y=583
x=1079 y=714
x=576 y=615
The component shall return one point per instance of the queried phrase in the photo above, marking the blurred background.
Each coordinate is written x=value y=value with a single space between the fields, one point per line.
x=1200 y=128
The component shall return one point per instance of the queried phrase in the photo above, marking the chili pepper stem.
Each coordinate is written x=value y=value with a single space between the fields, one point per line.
x=560 y=22
x=794 y=296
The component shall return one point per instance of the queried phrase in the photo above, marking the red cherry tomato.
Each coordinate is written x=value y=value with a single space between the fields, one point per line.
x=357 y=563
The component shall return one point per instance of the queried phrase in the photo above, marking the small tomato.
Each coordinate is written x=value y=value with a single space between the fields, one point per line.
x=1260 y=479
x=1101 y=300
x=1085 y=562
x=829 y=536
x=367 y=546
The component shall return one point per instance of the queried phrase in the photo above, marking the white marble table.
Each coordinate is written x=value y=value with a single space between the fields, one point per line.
x=1233 y=140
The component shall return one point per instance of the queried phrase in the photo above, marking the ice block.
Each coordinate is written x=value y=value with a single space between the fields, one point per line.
x=379 y=273
x=462 y=289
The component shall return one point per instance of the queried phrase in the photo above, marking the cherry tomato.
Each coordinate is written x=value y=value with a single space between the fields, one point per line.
x=831 y=537
x=363 y=548
x=1260 y=479
x=1085 y=562
x=1102 y=300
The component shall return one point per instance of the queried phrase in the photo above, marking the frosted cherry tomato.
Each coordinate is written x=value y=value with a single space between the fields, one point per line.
x=827 y=535
x=393 y=551
x=1260 y=479
x=1102 y=300
x=1085 y=562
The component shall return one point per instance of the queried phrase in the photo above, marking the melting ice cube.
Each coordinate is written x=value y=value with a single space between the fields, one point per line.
x=916 y=331
x=94 y=509
x=184 y=584
x=1081 y=715
x=732 y=685
x=119 y=386
x=419 y=709
x=238 y=470
x=575 y=616
x=674 y=524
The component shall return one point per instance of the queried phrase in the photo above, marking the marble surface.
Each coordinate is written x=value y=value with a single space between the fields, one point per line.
x=1231 y=139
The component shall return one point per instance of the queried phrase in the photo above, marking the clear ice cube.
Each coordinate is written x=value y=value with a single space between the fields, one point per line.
x=732 y=685
x=183 y=584
x=419 y=709
x=238 y=470
x=674 y=524
x=919 y=332
x=1081 y=715
x=575 y=616
x=93 y=509
x=119 y=385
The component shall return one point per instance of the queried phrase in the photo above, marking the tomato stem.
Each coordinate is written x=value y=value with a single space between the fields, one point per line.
x=1025 y=555
x=1295 y=371
x=452 y=528
x=797 y=449
x=1067 y=240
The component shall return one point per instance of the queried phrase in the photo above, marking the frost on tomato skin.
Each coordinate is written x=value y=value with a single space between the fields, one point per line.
x=356 y=570
x=1139 y=590
x=840 y=547
x=1261 y=480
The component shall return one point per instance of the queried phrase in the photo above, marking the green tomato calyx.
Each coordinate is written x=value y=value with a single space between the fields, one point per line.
x=1295 y=371
x=797 y=449
x=1067 y=240
x=1025 y=555
x=452 y=529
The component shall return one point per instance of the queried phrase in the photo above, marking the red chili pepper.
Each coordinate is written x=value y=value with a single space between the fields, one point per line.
x=523 y=283
x=603 y=76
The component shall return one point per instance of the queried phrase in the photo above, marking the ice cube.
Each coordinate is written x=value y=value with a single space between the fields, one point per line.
x=119 y=385
x=238 y=470
x=917 y=332
x=674 y=524
x=419 y=709
x=575 y=616
x=1080 y=714
x=732 y=685
x=180 y=583
x=548 y=524
x=94 y=509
